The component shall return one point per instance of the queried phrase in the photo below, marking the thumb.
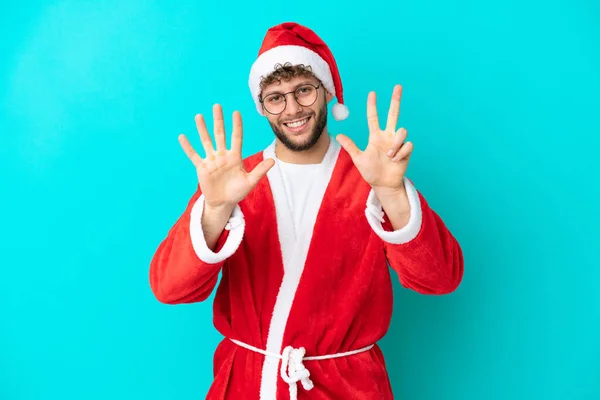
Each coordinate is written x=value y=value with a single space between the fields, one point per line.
x=260 y=170
x=348 y=145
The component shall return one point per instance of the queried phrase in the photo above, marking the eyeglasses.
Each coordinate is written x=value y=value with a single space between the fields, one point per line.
x=305 y=96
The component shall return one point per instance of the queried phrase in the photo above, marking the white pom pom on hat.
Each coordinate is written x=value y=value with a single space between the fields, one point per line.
x=340 y=111
x=293 y=43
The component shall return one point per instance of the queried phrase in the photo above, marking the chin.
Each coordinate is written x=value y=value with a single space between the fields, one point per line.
x=300 y=141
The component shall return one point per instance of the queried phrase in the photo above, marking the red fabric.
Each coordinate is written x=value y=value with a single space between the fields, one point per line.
x=291 y=33
x=343 y=301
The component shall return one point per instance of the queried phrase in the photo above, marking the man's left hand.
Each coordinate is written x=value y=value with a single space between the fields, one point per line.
x=385 y=160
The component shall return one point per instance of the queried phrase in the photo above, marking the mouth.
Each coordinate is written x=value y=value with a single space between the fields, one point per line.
x=297 y=125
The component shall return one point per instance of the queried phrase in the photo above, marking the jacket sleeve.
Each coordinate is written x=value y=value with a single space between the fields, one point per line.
x=183 y=268
x=424 y=253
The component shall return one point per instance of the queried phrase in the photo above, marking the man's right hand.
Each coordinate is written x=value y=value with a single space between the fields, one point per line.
x=223 y=180
x=221 y=174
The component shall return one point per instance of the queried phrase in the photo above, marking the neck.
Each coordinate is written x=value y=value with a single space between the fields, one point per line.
x=314 y=155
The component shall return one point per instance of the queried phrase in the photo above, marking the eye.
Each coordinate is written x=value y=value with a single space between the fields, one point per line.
x=304 y=90
x=274 y=98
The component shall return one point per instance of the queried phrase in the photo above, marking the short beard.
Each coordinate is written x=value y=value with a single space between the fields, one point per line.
x=316 y=133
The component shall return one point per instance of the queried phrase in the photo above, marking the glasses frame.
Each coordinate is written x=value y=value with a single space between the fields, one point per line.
x=295 y=98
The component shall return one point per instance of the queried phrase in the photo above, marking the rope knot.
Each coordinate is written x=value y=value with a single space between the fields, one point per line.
x=294 y=371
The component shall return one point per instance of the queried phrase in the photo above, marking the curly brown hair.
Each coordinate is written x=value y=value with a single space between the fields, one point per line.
x=286 y=72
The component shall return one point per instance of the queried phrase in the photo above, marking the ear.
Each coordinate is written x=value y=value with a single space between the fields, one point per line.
x=328 y=96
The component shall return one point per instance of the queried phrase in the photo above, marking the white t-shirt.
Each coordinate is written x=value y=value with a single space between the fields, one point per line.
x=297 y=181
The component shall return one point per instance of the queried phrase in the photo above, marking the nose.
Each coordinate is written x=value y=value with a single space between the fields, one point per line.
x=292 y=107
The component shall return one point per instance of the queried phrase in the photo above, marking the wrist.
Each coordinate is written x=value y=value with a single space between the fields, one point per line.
x=395 y=204
x=384 y=192
x=224 y=210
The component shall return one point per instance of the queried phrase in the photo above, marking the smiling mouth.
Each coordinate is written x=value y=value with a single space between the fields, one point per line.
x=297 y=124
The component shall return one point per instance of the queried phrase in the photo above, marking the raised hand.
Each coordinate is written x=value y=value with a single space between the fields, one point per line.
x=221 y=174
x=385 y=160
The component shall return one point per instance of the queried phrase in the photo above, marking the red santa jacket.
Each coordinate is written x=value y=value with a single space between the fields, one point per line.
x=316 y=294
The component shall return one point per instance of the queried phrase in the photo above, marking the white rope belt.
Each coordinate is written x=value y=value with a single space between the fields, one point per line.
x=292 y=368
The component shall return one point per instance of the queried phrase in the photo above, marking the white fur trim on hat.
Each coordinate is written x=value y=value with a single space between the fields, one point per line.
x=266 y=62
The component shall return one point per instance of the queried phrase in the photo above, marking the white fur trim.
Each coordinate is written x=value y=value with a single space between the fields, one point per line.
x=265 y=64
x=294 y=249
x=374 y=213
x=236 y=226
x=340 y=112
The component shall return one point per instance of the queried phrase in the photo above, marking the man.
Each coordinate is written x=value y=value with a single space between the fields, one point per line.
x=302 y=234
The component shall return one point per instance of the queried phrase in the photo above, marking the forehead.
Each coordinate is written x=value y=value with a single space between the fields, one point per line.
x=289 y=85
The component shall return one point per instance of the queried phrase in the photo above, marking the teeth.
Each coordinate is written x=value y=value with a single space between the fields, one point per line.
x=297 y=124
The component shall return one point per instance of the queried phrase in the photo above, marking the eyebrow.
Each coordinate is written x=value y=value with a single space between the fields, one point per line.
x=296 y=87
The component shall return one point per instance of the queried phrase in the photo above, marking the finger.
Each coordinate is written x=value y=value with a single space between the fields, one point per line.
x=348 y=145
x=397 y=141
x=189 y=150
x=372 y=118
x=404 y=152
x=260 y=170
x=237 y=134
x=219 y=128
x=394 y=111
x=204 y=136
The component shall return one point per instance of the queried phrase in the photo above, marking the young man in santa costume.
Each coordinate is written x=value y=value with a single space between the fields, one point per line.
x=302 y=234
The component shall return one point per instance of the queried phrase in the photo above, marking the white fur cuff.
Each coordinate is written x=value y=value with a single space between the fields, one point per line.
x=374 y=214
x=235 y=225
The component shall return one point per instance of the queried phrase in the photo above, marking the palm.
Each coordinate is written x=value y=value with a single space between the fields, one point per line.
x=384 y=161
x=224 y=181
x=221 y=174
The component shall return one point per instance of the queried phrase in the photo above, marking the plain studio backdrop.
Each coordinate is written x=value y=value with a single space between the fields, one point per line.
x=500 y=100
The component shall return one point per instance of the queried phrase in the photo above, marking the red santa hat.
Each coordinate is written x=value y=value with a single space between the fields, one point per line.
x=292 y=43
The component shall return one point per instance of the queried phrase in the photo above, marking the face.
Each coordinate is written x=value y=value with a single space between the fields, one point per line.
x=298 y=127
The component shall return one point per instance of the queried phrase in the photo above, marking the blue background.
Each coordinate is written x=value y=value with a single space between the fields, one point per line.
x=500 y=100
